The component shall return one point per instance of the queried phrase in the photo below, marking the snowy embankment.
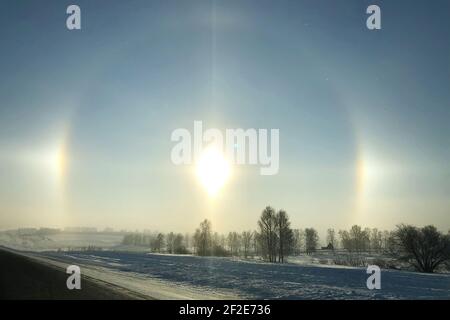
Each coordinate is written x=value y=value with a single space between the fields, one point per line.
x=190 y=277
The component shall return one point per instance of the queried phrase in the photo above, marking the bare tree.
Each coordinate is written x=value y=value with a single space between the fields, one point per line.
x=202 y=239
x=356 y=239
x=170 y=237
x=331 y=238
x=157 y=243
x=298 y=241
x=311 y=240
x=366 y=244
x=424 y=248
x=178 y=244
x=234 y=243
x=385 y=239
x=267 y=227
x=218 y=245
x=376 y=240
x=187 y=242
x=246 y=242
x=284 y=234
x=256 y=243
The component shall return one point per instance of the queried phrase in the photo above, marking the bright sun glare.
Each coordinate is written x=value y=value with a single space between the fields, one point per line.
x=213 y=170
x=55 y=161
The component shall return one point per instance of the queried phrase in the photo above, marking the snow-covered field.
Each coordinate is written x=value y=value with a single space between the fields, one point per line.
x=177 y=276
x=189 y=277
x=39 y=242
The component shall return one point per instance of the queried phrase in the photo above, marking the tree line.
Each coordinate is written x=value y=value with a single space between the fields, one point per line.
x=423 y=248
x=174 y=243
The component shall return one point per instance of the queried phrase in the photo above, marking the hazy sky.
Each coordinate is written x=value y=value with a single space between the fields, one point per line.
x=86 y=116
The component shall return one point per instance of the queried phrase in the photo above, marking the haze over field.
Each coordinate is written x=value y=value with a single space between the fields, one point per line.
x=86 y=117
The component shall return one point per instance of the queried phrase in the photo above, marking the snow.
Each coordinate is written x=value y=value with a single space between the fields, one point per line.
x=40 y=242
x=190 y=277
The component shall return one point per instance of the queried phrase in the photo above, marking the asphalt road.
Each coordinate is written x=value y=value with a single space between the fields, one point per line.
x=22 y=277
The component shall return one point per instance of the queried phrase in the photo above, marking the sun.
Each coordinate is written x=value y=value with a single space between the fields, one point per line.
x=213 y=170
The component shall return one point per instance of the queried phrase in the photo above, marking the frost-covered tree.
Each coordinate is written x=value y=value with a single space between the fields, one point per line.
x=311 y=240
x=267 y=234
x=298 y=241
x=331 y=238
x=284 y=235
x=178 y=244
x=234 y=243
x=170 y=237
x=356 y=239
x=376 y=240
x=202 y=239
x=246 y=237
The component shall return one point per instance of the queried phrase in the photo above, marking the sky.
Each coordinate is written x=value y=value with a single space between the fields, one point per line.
x=86 y=115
